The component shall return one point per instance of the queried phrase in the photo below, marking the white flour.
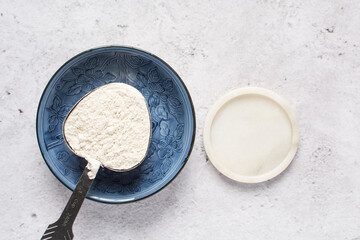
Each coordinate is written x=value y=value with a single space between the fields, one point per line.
x=110 y=126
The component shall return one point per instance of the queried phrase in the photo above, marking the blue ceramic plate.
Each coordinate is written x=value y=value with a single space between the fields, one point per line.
x=172 y=116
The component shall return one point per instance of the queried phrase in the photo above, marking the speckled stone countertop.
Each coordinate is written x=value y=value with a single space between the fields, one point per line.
x=306 y=51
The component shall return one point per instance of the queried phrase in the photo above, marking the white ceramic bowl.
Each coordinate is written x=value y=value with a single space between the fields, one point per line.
x=251 y=135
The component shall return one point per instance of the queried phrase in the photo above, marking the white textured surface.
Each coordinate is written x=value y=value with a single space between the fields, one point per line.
x=307 y=51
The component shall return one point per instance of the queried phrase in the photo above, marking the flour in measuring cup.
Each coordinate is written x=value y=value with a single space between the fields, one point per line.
x=111 y=127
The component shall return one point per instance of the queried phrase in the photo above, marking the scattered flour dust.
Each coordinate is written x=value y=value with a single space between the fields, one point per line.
x=111 y=127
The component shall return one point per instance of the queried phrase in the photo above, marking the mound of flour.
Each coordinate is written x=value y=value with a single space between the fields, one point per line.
x=110 y=126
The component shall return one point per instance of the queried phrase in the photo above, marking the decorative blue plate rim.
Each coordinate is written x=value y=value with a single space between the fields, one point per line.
x=174 y=173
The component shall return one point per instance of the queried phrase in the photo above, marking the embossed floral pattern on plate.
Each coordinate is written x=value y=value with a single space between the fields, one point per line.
x=173 y=123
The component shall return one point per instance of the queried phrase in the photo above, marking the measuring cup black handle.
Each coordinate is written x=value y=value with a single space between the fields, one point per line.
x=62 y=228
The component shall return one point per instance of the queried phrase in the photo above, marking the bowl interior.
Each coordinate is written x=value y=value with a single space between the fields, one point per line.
x=170 y=106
